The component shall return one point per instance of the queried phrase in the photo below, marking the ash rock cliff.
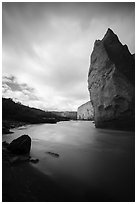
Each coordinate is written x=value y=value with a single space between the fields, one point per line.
x=111 y=83
x=85 y=112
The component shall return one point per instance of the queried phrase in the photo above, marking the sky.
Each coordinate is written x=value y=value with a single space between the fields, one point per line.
x=46 y=49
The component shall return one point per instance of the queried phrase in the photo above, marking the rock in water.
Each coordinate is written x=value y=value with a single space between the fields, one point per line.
x=53 y=154
x=34 y=160
x=111 y=83
x=20 y=145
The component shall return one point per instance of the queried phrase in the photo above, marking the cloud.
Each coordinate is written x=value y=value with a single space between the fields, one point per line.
x=13 y=89
x=47 y=46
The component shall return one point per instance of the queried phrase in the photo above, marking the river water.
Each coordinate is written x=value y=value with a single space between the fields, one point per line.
x=91 y=161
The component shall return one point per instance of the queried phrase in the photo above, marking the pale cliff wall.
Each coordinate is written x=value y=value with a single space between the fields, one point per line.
x=85 y=112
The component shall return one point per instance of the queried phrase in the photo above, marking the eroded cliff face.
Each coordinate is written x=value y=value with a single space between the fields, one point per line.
x=85 y=112
x=111 y=83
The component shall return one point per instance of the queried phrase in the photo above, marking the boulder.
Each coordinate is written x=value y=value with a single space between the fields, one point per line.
x=111 y=82
x=20 y=145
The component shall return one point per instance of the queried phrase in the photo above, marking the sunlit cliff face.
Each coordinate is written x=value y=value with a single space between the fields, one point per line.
x=46 y=49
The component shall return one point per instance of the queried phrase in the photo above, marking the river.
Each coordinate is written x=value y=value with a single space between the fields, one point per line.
x=91 y=161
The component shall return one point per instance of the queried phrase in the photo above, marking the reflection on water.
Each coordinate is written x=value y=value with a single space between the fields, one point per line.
x=88 y=157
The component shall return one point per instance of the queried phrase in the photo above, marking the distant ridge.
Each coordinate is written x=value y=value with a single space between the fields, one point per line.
x=18 y=112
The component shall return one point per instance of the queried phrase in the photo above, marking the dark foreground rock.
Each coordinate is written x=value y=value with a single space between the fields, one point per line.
x=15 y=158
x=20 y=145
x=111 y=83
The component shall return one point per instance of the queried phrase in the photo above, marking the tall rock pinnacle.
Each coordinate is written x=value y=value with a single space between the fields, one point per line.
x=110 y=37
x=111 y=83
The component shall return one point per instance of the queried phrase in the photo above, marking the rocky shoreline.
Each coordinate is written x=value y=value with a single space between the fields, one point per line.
x=9 y=124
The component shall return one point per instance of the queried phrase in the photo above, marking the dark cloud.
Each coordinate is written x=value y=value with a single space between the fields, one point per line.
x=15 y=90
x=11 y=81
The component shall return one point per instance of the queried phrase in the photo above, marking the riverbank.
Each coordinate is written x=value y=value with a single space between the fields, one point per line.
x=15 y=114
x=9 y=124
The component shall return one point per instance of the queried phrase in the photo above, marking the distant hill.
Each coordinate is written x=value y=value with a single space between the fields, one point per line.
x=18 y=112
x=66 y=114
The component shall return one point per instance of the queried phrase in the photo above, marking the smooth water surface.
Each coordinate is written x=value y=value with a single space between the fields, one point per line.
x=89 y=159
